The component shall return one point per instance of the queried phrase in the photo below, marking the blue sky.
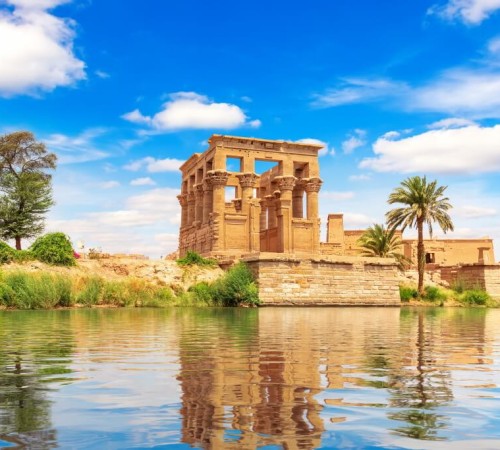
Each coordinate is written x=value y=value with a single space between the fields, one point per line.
x=125 y=91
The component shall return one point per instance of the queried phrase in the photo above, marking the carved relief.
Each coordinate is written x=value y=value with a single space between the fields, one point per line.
x=182 y=199
x=314 y=185
x=247 y=180
x=285 y=183
x=217 y=178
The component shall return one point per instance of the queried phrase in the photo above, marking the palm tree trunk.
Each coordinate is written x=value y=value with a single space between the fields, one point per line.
x=420 y=256
x=18 y=243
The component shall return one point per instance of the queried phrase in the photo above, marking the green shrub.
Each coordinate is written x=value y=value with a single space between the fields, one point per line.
x=55 y=249
x=21 y=256
x=6 y=253
x=193 y=258
x=202 y=292
x=458 y=286
x=434 y=294
x=236 y=287
x=475 y=297
x=407 y=293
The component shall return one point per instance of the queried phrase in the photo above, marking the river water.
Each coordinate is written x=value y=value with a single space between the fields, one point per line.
x=291 y=378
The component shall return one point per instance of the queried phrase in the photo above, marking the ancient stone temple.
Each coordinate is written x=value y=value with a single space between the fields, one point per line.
x=230 y=209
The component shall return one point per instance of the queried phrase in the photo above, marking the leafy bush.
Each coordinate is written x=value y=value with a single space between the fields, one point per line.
x=55 y=249
x=193 y=258
x=433 y=293
x=236 y=287
x=21 y=256
x=407 y=293
x=6 y=253
x=458 y=286
x=475 y=297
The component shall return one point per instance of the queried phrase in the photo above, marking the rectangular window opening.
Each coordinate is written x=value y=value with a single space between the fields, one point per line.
x=263 y=166
x=234 y=164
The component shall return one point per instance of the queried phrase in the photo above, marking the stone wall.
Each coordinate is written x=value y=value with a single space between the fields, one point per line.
x=324 y=280
x=475 y=276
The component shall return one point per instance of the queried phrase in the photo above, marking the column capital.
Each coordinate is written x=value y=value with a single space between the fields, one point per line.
x=182 y=199
x=285 y=183
x=314 y=184
x=247 y=180
x=217 y=177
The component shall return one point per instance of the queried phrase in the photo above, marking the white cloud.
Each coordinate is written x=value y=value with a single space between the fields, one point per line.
x=391 y=135
x=354 y=141
x=337 y=195
x=452 y=122
x=471 y=12
x=469 y=92
x=361 y=177
x=466 y=150
x=146 y=223
x=154 y=165
x=357 y=220
x=102 y=74
x=474 y=212
x=192 y=110
x=326 y=150
x=109 y=184
x=144 y=181
x=37 y=49
x=494 y=46
x=460 y=91
x=359 y=90
x=76 y=149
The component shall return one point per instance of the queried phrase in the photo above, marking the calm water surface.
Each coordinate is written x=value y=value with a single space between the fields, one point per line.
x=270 y=378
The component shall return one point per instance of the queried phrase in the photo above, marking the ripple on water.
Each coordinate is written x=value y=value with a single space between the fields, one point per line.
x=238 y=378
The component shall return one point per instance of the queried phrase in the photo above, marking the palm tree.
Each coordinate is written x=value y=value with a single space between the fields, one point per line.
x=382 y=242
x=424 y=203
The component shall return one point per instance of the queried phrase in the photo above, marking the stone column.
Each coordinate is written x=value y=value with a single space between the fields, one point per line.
x=298 y=200
x=217 y=180
x=184 y=211
x=312 y=189
x=191 y=208
x=207 y=200
x=271 y=211
x=247 y=183
x=263 y=214
x=285 y=185
x=198 y=192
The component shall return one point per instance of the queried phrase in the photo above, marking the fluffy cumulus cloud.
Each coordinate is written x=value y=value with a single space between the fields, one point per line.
x=470 y=149
x=191 y=110
x=452 y=122
x=37 y=48
x=471 y=12
x=326 y=150
x=154 y=165
x=354 y=141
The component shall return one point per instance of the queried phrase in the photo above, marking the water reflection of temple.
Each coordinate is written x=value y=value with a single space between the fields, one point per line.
x=279 y=385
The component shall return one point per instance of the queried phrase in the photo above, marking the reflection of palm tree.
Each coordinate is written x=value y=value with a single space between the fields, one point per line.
x=420 y=393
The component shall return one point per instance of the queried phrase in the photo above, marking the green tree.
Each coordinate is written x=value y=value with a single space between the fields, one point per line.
x=424 y=204
x=382 y=242
x=25 y=186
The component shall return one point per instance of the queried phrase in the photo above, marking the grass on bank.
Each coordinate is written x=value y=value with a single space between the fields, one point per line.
x=42 y=290
x=441 y=296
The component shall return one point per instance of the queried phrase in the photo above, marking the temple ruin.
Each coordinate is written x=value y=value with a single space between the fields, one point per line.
x=232 y=211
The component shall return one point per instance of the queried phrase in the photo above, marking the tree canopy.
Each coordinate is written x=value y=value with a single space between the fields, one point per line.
x=424 y=204
x=25 y=186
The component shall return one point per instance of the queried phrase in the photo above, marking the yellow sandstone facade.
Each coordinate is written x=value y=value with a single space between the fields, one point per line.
x=275 y=211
